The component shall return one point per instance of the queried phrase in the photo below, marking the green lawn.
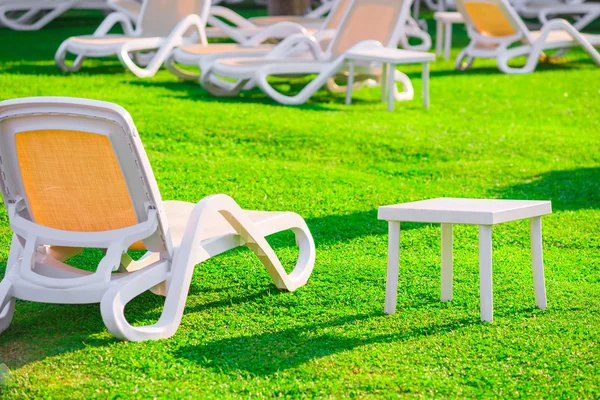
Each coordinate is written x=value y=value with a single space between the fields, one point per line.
x=486 y=135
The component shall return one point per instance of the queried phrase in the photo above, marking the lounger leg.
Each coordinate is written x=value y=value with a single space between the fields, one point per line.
x=538 y=262
x=447 y=240
x=439 y=37
x=447 y=41
x=350 y=82
x=383 y=81
x=416 y=9
x=392 y=86
x=7 y=305
x=485 y=273
x=426 y=85
x=391 y=289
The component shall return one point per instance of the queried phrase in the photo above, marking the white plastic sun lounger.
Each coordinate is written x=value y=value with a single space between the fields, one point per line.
x=226 y=23
x=245 y=27
x=75 y=175
x=198 y=54
x=497 y=31
x=32 y=15
x=133 y=7
x=544 y=10
x=365 y=24
x=161 y=28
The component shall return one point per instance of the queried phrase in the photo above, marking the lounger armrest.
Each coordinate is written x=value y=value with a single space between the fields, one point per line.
x=321 y=10
x=190 y=21
x=289 y=44
x=231 y=16
x=558 y=24
x=535 y=48
x=325 y=35
x=111 y=20
x=277 y=31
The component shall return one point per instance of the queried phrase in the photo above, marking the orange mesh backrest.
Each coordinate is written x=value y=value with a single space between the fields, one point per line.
x=368 y=20
x=489 y=19
x=333 y=20
x=73 y=181
x=161 y=16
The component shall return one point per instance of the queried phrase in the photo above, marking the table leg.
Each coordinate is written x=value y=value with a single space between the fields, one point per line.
x=392 y=86
x=350 y=82
x=391 y=289
x=447 y=40
x=446 y=262
x=538 y=262
x=485 y=273
x=439 y=37
x=384 y=68
x=425 y=79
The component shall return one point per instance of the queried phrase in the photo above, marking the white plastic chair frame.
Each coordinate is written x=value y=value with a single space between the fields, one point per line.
x=35 y=14
x=227 y=24
x=131 y=8
x=255 y=46
x=524 y=44
x=545 y=10
x=137 y=43
x=315 y=60
x=36 y=273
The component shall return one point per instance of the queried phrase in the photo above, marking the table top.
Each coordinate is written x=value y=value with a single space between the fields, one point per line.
x=389 y=55
x=465 y=211
x=449 y=16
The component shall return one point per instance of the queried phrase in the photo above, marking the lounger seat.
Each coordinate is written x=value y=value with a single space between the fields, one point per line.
x=245 y=68
x=179 y=212
x=190 y=55
x=307 y=22
x=91 y=46
x=108 y=40
x=563 y=39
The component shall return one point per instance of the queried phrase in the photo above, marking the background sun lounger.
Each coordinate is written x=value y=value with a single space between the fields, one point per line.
x=161 y=28
x=497 y=31
x=366 y=24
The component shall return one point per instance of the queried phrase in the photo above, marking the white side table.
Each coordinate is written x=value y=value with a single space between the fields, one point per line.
x=444 y=21
x=389 y=58
x=484 y=213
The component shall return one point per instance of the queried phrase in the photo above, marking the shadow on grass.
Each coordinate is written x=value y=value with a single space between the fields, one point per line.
x=147 y=308
x=575 y=189
x=109 y=68
x=57 y=329
x=48 y=330
x=342 y=228
x=52 y=330
x=493 y=70
x=272 y=352
x=318 y=101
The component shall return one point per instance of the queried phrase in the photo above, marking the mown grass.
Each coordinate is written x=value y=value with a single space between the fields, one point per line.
x=486 y=135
